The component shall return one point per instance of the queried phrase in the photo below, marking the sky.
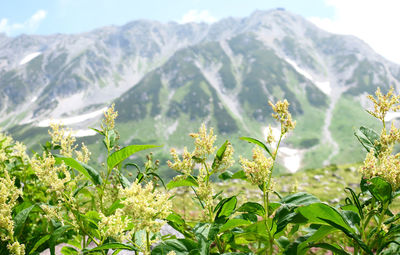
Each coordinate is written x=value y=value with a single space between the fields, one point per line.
x=374 y=21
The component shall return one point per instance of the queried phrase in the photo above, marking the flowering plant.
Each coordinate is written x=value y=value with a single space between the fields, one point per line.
x=91 y=211
x=56 y=197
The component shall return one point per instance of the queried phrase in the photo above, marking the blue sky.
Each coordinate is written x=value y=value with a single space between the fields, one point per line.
x=374 y=21
x=74 y=16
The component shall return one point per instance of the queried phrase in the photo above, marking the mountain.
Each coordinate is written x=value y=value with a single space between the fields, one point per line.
x=166 y=79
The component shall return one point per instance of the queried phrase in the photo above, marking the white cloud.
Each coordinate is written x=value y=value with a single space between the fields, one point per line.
x=374 y=21
x=29 y=26
x=197 y=16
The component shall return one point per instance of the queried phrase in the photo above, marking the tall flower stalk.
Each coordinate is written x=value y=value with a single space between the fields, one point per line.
x=259 y=170
x=199 y=159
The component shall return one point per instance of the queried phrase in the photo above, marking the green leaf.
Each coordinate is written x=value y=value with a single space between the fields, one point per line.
x=239 y=175
x=67 y=250
x=176 y=218
x=351 y=235
x=124 y=181
x=39 y=243
x=284 y=215
x=301 y=198
x=112 y=137
x=117 y=204
x=352 y=218
x=367 y=138
x=80 y=188
x=220 y=154
x=206 y=230
x=83 y=168
x=108 y=246
x=98 y=131
x=318 y=212
x=286 y=212
x=124 y=153
x=233 y=223
x=356 y=202
x=56 y=235
x=158 y=177
x=257 y=142
x=259 y=229
x=20 y=219
x=225 y=175
x=336 y=249
x=321 y=232
x=392 y=219
x=189 y=181
x=273 y=206
x=226 y=207
x=380 y=189
x=252 y=207
x=180 y=246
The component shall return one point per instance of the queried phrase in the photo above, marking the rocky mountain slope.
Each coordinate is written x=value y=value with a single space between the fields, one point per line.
x=166 y=79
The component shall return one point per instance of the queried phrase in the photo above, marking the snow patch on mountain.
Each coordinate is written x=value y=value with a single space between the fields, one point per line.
x=82 y=132
x=392 y=115
x=72 y=120
x=29 y=57
x=291 y=157
x=324 y=86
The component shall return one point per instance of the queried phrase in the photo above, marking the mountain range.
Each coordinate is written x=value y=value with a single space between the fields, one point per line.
x=168 y=78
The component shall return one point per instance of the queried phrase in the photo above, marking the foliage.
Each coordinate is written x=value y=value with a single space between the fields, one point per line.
x=58 y=197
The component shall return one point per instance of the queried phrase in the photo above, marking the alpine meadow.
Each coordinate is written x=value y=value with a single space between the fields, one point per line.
x=255 y=135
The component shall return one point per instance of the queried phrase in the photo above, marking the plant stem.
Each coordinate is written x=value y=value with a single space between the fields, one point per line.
x=380 y=221
x=266 y=187
x=266 y=217
x=147 y=242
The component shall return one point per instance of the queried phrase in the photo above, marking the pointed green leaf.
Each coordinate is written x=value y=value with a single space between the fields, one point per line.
x=336 y=249
x=220 y=154
x=380 y=189
x=252 y=207
x=39 y=243
x=367 y=138
x=356 y=202
x=349 y=234
x=317 y=212
x=233 y=223
x=56 y=235
x=179 y=246
x=225 y=175
x=67 y=250
x=124 y=181
x=188 y=181
x=98 y=131
x=221 y=150
x=20 y=219
x=316 y=236
x=257 y=142
x=300 y=198
x=239 y=175
x=226 y=207
x=113 y=246
x=124 y=153
x=83 y=168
